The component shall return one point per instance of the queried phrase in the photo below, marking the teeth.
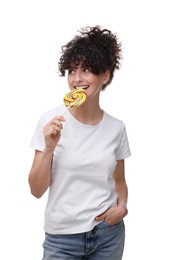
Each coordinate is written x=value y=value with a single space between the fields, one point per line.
x=84 y=87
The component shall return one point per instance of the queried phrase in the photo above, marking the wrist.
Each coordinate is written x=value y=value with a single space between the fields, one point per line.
x=48 y=150
x=122 y=204
x=123 y=207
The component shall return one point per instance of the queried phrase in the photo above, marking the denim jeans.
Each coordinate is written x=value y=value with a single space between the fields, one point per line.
x=103 y=242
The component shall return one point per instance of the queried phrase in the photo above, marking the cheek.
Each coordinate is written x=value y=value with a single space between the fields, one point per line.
x=93 y=81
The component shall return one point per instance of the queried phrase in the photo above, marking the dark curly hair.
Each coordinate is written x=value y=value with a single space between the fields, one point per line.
x=96 y=49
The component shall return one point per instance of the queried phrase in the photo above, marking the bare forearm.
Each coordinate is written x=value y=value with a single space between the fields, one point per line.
x=122 y=193
x=115 y=214
x=40 y=176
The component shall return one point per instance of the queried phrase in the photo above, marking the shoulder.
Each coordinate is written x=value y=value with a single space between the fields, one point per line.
x=114 y=122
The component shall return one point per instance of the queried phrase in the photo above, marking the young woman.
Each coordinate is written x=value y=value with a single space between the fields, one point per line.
x=80 y=158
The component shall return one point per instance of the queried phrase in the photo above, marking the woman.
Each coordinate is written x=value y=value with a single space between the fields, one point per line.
x=80 y=158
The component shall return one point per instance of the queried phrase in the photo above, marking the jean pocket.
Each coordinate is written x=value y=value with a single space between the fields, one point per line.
x=106 y=228
x=107 y=224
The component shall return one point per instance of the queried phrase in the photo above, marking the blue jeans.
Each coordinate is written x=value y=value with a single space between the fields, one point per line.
x=103 y=242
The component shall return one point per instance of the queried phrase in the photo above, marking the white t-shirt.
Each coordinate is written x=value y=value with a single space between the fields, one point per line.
x=83 y=162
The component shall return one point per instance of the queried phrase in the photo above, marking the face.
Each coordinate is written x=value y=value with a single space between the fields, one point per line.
x=79 y=77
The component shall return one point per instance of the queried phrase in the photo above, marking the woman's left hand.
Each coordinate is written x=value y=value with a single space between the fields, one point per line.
x=113 y=215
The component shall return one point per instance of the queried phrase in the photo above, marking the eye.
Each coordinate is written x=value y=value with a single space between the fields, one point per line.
x=70 y=71
x=86 y=70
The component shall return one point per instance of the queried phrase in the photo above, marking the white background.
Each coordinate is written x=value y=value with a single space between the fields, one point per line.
x=31 y=35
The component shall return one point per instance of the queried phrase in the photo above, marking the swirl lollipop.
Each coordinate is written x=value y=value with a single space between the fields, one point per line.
x=75 y=98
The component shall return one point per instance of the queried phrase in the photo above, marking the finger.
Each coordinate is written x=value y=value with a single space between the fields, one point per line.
x=57 y=120
x=60 y=118
x=51 y=129
x=101 y=217
x=57 y=123
x=56 y=129
x=54 y=132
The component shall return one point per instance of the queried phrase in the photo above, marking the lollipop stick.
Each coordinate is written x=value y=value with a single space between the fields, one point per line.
x=65 y=111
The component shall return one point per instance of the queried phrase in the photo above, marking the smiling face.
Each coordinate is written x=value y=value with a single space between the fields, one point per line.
x=80 y=77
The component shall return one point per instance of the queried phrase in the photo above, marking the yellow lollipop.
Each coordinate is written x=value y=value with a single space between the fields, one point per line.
x=75 y=98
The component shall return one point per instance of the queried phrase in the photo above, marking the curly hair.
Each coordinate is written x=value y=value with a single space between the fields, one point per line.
x=96 y=49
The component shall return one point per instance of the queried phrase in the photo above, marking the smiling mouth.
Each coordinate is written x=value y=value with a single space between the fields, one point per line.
x=79 y=87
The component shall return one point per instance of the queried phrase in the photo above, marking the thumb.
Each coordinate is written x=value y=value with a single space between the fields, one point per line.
x=101 y=217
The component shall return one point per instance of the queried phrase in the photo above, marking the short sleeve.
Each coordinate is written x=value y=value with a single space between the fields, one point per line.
x=123 y=150
x=38 y=141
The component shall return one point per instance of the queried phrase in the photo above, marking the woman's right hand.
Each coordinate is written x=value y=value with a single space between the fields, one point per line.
x=52 y=132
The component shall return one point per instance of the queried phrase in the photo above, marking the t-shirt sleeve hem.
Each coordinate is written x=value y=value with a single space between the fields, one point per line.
x=125 y=156
x=36 y=147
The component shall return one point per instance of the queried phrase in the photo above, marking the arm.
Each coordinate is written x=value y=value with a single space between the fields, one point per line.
x=39 y=176
x=121 y=186
x=115 y=214
x=40 y=173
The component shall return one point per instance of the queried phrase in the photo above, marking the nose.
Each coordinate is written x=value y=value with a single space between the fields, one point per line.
x=78 y=76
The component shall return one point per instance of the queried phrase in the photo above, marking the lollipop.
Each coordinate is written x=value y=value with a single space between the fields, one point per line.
x=75 y=98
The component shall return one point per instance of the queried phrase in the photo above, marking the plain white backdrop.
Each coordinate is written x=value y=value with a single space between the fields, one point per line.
x=32 y=33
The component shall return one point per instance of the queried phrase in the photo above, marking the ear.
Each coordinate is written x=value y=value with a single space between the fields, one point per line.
x=106 y=77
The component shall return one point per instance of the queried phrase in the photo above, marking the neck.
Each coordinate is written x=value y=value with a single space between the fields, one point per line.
x=87 y=113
